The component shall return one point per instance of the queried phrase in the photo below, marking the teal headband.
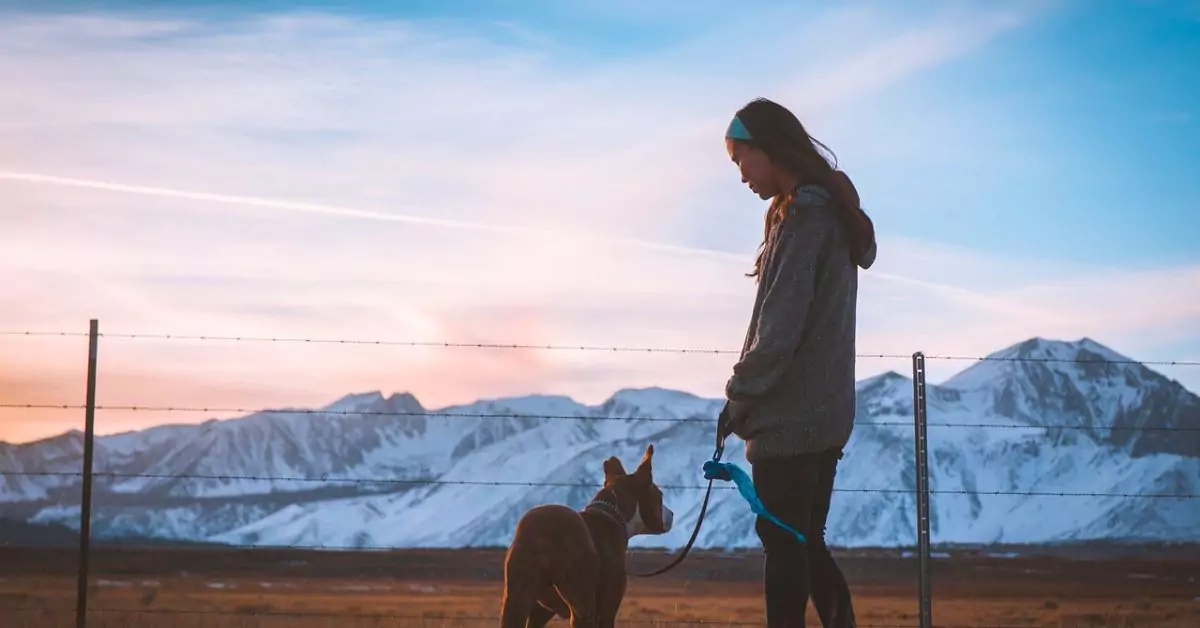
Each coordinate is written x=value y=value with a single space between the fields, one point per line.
x=737 y=130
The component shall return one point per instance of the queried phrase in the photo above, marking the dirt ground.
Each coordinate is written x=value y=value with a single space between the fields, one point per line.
x=217 y=588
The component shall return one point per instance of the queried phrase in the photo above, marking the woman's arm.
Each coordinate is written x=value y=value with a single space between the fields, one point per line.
x=789 y=288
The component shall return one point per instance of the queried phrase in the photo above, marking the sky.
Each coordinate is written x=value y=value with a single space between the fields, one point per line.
x=555 y=173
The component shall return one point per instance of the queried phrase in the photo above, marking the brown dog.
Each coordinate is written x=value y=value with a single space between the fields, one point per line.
x=572 y=563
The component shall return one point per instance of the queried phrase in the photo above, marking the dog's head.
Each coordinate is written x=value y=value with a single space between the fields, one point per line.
x=638 y=498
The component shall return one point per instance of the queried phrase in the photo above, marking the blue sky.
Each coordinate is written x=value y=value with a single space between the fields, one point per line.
x=1100 y=96
x=426 y=174
x=1106 y=93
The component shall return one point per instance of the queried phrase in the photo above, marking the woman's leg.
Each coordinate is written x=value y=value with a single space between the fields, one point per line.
x=830 y=593
x=786 y=487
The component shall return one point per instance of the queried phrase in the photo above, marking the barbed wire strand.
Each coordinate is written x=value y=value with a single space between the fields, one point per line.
x=562 y=417
x=403 y=343
x=533 y=484
x=563 y=347
x=990 y=358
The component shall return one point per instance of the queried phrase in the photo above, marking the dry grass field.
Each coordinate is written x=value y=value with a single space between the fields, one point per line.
x=217 y=588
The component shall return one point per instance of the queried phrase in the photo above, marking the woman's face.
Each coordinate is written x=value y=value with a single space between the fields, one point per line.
x=755 y=167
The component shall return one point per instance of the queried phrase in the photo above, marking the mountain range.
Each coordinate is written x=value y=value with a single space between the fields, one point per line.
x=1041 y=442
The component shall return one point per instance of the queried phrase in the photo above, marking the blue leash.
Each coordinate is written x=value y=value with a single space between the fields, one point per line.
x=728 y=471
x=716 y=470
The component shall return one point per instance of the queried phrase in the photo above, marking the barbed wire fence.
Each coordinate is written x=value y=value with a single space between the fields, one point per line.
x=1039 y=428
x=922 y=491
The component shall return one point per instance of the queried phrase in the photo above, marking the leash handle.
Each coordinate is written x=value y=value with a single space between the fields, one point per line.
x=728 y=471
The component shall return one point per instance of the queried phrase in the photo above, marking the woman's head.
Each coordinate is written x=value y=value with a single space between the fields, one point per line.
x=775 y=155
x=773 y=150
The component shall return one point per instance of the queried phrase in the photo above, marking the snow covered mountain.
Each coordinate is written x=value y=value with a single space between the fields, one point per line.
x=1026 y=447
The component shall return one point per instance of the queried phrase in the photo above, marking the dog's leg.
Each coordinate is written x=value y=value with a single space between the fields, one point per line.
x=539 y=617
x=580 y=594
x=606 y=611
x=607 y=618
x=516 y=605
x=520 y=594
x=608 y=603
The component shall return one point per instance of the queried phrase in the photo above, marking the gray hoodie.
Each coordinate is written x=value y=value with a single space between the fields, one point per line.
x=796 y=368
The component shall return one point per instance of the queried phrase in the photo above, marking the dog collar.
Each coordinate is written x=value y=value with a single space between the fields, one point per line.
x=607 y=509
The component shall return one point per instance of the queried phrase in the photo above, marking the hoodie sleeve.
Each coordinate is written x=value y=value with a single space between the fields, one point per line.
x=868 y=254
x=785 y=298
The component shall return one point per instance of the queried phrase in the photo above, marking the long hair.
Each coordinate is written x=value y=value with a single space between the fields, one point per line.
x=779 y=134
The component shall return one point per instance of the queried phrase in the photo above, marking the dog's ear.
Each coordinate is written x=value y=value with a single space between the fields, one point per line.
x=645 y=469
x=613 y=468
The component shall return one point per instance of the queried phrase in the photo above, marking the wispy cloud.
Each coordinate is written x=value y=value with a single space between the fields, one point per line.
x=326 y=176
x=361 y=214
x=865 y=69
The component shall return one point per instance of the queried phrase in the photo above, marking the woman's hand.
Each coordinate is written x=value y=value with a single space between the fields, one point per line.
x=730 y=419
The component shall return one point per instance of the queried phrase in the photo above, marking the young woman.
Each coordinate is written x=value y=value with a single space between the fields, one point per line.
x=791 y=395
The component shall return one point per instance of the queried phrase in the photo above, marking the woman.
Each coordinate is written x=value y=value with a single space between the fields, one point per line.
x=791 y=396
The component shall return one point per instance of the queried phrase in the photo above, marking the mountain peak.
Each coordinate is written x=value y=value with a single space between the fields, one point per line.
x=530 y=405
x=374 y=401
x=651 y=396
x=659 y=401
x=1043 y=349
x=1085 y=385
x=355 y=402
x=403 y=402
x=886 y=393
x=886 y=377
x=1076 y=357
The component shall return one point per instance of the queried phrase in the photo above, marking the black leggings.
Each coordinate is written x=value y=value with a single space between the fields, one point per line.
x=797 y=490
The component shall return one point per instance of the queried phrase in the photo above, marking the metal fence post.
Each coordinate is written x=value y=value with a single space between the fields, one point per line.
x=85 y=507
x=922 y=464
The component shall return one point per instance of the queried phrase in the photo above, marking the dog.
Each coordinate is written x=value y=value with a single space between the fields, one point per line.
x=571 y=563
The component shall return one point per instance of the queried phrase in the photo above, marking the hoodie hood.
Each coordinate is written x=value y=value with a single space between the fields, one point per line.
x=862 y=229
